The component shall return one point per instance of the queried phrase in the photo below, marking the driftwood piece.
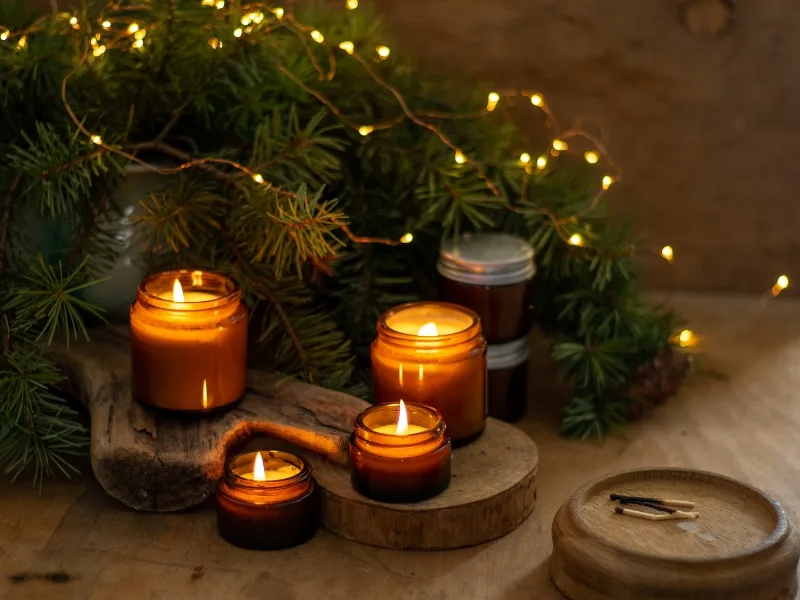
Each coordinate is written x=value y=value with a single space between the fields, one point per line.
x=153 y=461
x=491 y=492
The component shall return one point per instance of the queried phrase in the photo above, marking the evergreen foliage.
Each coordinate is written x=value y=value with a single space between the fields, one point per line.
x=285 y=190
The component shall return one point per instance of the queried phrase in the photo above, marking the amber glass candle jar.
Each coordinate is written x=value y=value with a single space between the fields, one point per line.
x=267 y=500
x=188 y=341
x=508 y=379
x=400 y=453
x=491 y=274
x=433 y=353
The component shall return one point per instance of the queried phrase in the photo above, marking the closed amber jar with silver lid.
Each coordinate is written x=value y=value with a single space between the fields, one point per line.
x=491 y=274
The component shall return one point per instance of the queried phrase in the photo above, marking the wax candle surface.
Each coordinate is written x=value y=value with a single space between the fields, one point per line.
x=433 y=353
x=189 y=341
x=275 y=471
x=392 y=429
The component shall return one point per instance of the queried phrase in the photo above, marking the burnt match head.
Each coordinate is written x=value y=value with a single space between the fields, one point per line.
x=619 y=510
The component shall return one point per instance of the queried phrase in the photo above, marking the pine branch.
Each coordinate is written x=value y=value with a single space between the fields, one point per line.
x=5 y=220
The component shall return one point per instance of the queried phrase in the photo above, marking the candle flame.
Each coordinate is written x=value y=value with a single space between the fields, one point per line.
x=428 y=330
x=402 y=420
x=205 y=394
x=177 y=292
x=258 y=469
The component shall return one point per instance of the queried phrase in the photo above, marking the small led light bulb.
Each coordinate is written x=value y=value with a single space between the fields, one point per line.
x=365 y=130
x=99 y=50
x=686 y=338
x=133 y=28
x=460 y=158
x=383 y=52
x=352 y=4
x=524 y=158
x=106 y=24
x=237 y=32
x=317 y=36
x=783 y=282
x=22 y=42
x=137 y=44
x=576 y=239
x=541 y=162
x=492 y=101
x=278 y=12
x=215 y=43
x=73 y=21
x=537 y=100
x=667 y=253
x=407 y=238
x=348 y=47
x=559 y=145
x=607 y=181
x=96 y=139
x=220 y=4
x=591 y=157
x=258 y=178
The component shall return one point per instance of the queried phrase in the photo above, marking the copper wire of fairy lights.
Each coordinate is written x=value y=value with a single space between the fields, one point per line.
x=117 y=30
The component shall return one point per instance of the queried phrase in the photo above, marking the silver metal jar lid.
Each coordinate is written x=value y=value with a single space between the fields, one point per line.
x=506 y=356
x=486 y=259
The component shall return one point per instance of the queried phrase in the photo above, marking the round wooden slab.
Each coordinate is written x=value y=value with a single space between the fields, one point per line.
x=492 y=491
x=742 y=547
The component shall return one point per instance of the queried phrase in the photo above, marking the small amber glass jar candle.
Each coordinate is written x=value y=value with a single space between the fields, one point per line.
x=508 y=379
x=491 y=274
x=433 y=353
x=188 y=341
x=267 y=500
x=400 y=453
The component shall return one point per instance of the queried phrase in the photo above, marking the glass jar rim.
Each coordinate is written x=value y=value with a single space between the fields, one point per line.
x=363 y=431
x=471 y=331
x=231 y=294
x=237 y=481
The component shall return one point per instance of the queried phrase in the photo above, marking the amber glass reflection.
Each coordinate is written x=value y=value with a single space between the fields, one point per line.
x=446 y=371
x=400 y=468
x=505 y=310
x=191 y=355
x=266 y=515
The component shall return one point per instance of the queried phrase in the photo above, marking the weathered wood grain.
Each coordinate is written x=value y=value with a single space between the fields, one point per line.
x=743 y=545
x=491 y=492
x=154 y=461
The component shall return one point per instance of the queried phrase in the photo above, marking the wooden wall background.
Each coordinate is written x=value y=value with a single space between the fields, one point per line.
x=706 y=128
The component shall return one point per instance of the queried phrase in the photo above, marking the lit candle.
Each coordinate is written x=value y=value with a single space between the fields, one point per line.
x=400 y=453
x=433 y=353
x=188 y=341
x=267 y=501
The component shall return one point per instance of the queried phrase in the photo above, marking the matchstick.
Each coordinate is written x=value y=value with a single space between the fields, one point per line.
x=662 y=501
x=678 y=514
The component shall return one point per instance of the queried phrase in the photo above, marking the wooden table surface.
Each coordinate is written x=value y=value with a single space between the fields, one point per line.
x=73 y=541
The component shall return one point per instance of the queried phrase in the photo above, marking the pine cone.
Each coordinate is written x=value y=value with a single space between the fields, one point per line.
x=656 y=381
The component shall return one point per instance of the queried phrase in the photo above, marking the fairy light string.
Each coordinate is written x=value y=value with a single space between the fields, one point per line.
x=116 y=31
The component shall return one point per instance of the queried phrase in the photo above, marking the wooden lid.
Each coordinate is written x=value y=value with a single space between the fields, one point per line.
x=743 y=545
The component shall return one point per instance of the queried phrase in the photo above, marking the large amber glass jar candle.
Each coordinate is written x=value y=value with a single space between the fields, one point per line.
x=400 y=453
x=508 y=379
x=433 y=353
x=491 y=274
x=188 y=341
x=267 y=500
